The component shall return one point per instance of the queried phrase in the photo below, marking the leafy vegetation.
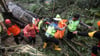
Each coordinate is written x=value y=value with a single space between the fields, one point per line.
x=88 y=9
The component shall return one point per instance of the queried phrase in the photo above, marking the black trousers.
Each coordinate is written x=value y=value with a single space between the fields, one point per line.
x=32 y=40
x=94 y=50
x=3 y=37
x=70 y=35
x=52 y=39
x=18 y=38
x=43 y=37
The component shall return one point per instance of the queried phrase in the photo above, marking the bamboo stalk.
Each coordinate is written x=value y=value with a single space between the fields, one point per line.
x=78 y=43
x=73 y=48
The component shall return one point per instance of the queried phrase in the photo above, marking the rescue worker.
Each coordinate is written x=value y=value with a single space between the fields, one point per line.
x=29 y=32
x=14 y=30
x=73 y=24
x=35 y=20
x=1 y=23
x=3 y=30
x=62 y=23
x=51 y=30
x=40 y=22
x=92 y=34
x=42 y=26
x=58 y=16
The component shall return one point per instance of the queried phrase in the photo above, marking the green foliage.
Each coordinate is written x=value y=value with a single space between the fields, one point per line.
x=66 y=8
x=95 y=11
x=25 y=1
x=33 y=7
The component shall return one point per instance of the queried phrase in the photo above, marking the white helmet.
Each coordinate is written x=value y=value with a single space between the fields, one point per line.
x=57 y=19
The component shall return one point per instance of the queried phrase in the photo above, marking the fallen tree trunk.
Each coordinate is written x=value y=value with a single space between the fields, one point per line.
x=18 y=12
x=21 y=15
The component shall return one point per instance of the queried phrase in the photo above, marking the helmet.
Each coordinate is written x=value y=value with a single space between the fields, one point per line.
x=58 y=16
x=7 y=21
x=57 y=19
x=76 y=16
x=98 y=23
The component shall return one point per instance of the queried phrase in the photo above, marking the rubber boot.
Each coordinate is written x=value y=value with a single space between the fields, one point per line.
x=57 y=48
x=45 y=45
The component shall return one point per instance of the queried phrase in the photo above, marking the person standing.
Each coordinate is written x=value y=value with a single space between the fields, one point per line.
x=30 y=32
x=14 y=30
x=1 y=23
x=3 y=30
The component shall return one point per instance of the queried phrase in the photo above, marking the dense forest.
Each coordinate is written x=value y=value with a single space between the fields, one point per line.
x=89 y=11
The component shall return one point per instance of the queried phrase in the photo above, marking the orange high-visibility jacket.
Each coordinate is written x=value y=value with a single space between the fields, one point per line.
x=14 y=29
x=59 y=33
